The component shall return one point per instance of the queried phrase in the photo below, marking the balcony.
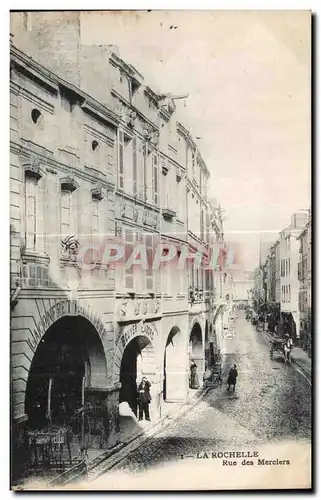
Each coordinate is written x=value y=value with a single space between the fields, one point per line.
x=195 y=295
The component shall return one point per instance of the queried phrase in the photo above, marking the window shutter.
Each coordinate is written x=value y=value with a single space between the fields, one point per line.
x=129 y=243
x=145 y=159
x=149 y=270
x=65 y=212
x=95 y=221
x=31 y=215
x=202 y=224
x=134 y=166
x=121 y=160
x=155 y=178
x=207 y=228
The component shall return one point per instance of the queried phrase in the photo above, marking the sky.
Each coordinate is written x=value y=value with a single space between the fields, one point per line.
x=247 y=74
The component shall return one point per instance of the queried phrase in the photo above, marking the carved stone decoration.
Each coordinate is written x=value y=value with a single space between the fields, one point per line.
x=33 y=168
x=156 y=306
x=155 y=221
x=97 y=193
x=123 y=307
x=69 y=183
x=137 y=308
x=165 y=167
x=135 y=214
x=145 y=307
x=145 y=218
x=118 y=230
x=150 y=134
x=139 y=236
x=70 y=247
x=127 y=115
x=132 y=115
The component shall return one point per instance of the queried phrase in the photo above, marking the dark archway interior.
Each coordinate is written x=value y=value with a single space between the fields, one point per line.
x=196 y=337
x=61 y=361
x=128 y=371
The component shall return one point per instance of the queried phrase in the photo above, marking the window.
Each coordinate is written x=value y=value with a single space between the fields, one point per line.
x=202 y=224
x=155 y=179
x=121 y=160
x=149 y=270
x=66 y=212
x=95 y=220
x=145 y=181
x=36 y=116
x=207 y=217
x=140 y=168
x=129 y=238
x=94 y=145
x=289 y=298
x=193 y=164
x=31 y=213
x=134 y=166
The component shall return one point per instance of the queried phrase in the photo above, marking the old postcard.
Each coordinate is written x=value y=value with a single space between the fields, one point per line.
x=160 y=225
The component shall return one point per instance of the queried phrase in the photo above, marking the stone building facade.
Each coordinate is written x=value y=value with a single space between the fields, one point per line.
x=289 y=283
x=304 y=277
x=97 y=157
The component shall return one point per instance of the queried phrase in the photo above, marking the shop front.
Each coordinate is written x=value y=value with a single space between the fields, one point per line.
x=65 y=397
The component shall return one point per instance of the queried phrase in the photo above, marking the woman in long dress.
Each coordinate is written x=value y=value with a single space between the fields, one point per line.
x=194 y=383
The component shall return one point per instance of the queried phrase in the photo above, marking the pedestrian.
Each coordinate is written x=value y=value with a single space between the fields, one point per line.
x=144 y=399
x=194 y=382
x=231 y=379
x=287 y=349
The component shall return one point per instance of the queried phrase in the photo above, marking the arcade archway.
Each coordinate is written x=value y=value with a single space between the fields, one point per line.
x=68 y=364
x=138 y=361
x=197 y=356
x=175 y=367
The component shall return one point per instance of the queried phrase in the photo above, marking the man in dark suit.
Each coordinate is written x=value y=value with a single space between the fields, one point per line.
x=144 y=399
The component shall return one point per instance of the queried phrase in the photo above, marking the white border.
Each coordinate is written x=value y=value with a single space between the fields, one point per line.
x=4 y=195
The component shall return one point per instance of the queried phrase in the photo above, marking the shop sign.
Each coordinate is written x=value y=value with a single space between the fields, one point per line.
x=59 y=310
x=131 y=331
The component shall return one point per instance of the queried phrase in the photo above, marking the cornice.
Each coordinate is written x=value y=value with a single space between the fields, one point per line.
x=101 y=112
x=124 y=101
x=128 y=69
x=37 y=72
x=164 y=113
x=167 y=157
x=51 y=163
x=151 y=95
x=137 y=201
x=54 y=83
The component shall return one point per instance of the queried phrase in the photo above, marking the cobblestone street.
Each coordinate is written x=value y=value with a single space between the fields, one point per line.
x=272 y=402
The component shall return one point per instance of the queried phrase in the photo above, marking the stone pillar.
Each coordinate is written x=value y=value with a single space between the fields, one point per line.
x=104 y=414
x=113 y=415
x=19 y=451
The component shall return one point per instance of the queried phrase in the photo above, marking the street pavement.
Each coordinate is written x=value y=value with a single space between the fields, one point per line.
x=272 y=404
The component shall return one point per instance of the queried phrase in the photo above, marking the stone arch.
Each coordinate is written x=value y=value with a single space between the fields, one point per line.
x=197 y=351
x=26 y=341
x=175 y=369
x=68 y=361
x=126 y=335
x=135 y=357
x=200 y=321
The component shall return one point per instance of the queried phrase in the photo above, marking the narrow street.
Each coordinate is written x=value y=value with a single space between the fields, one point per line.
x=272 y=404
